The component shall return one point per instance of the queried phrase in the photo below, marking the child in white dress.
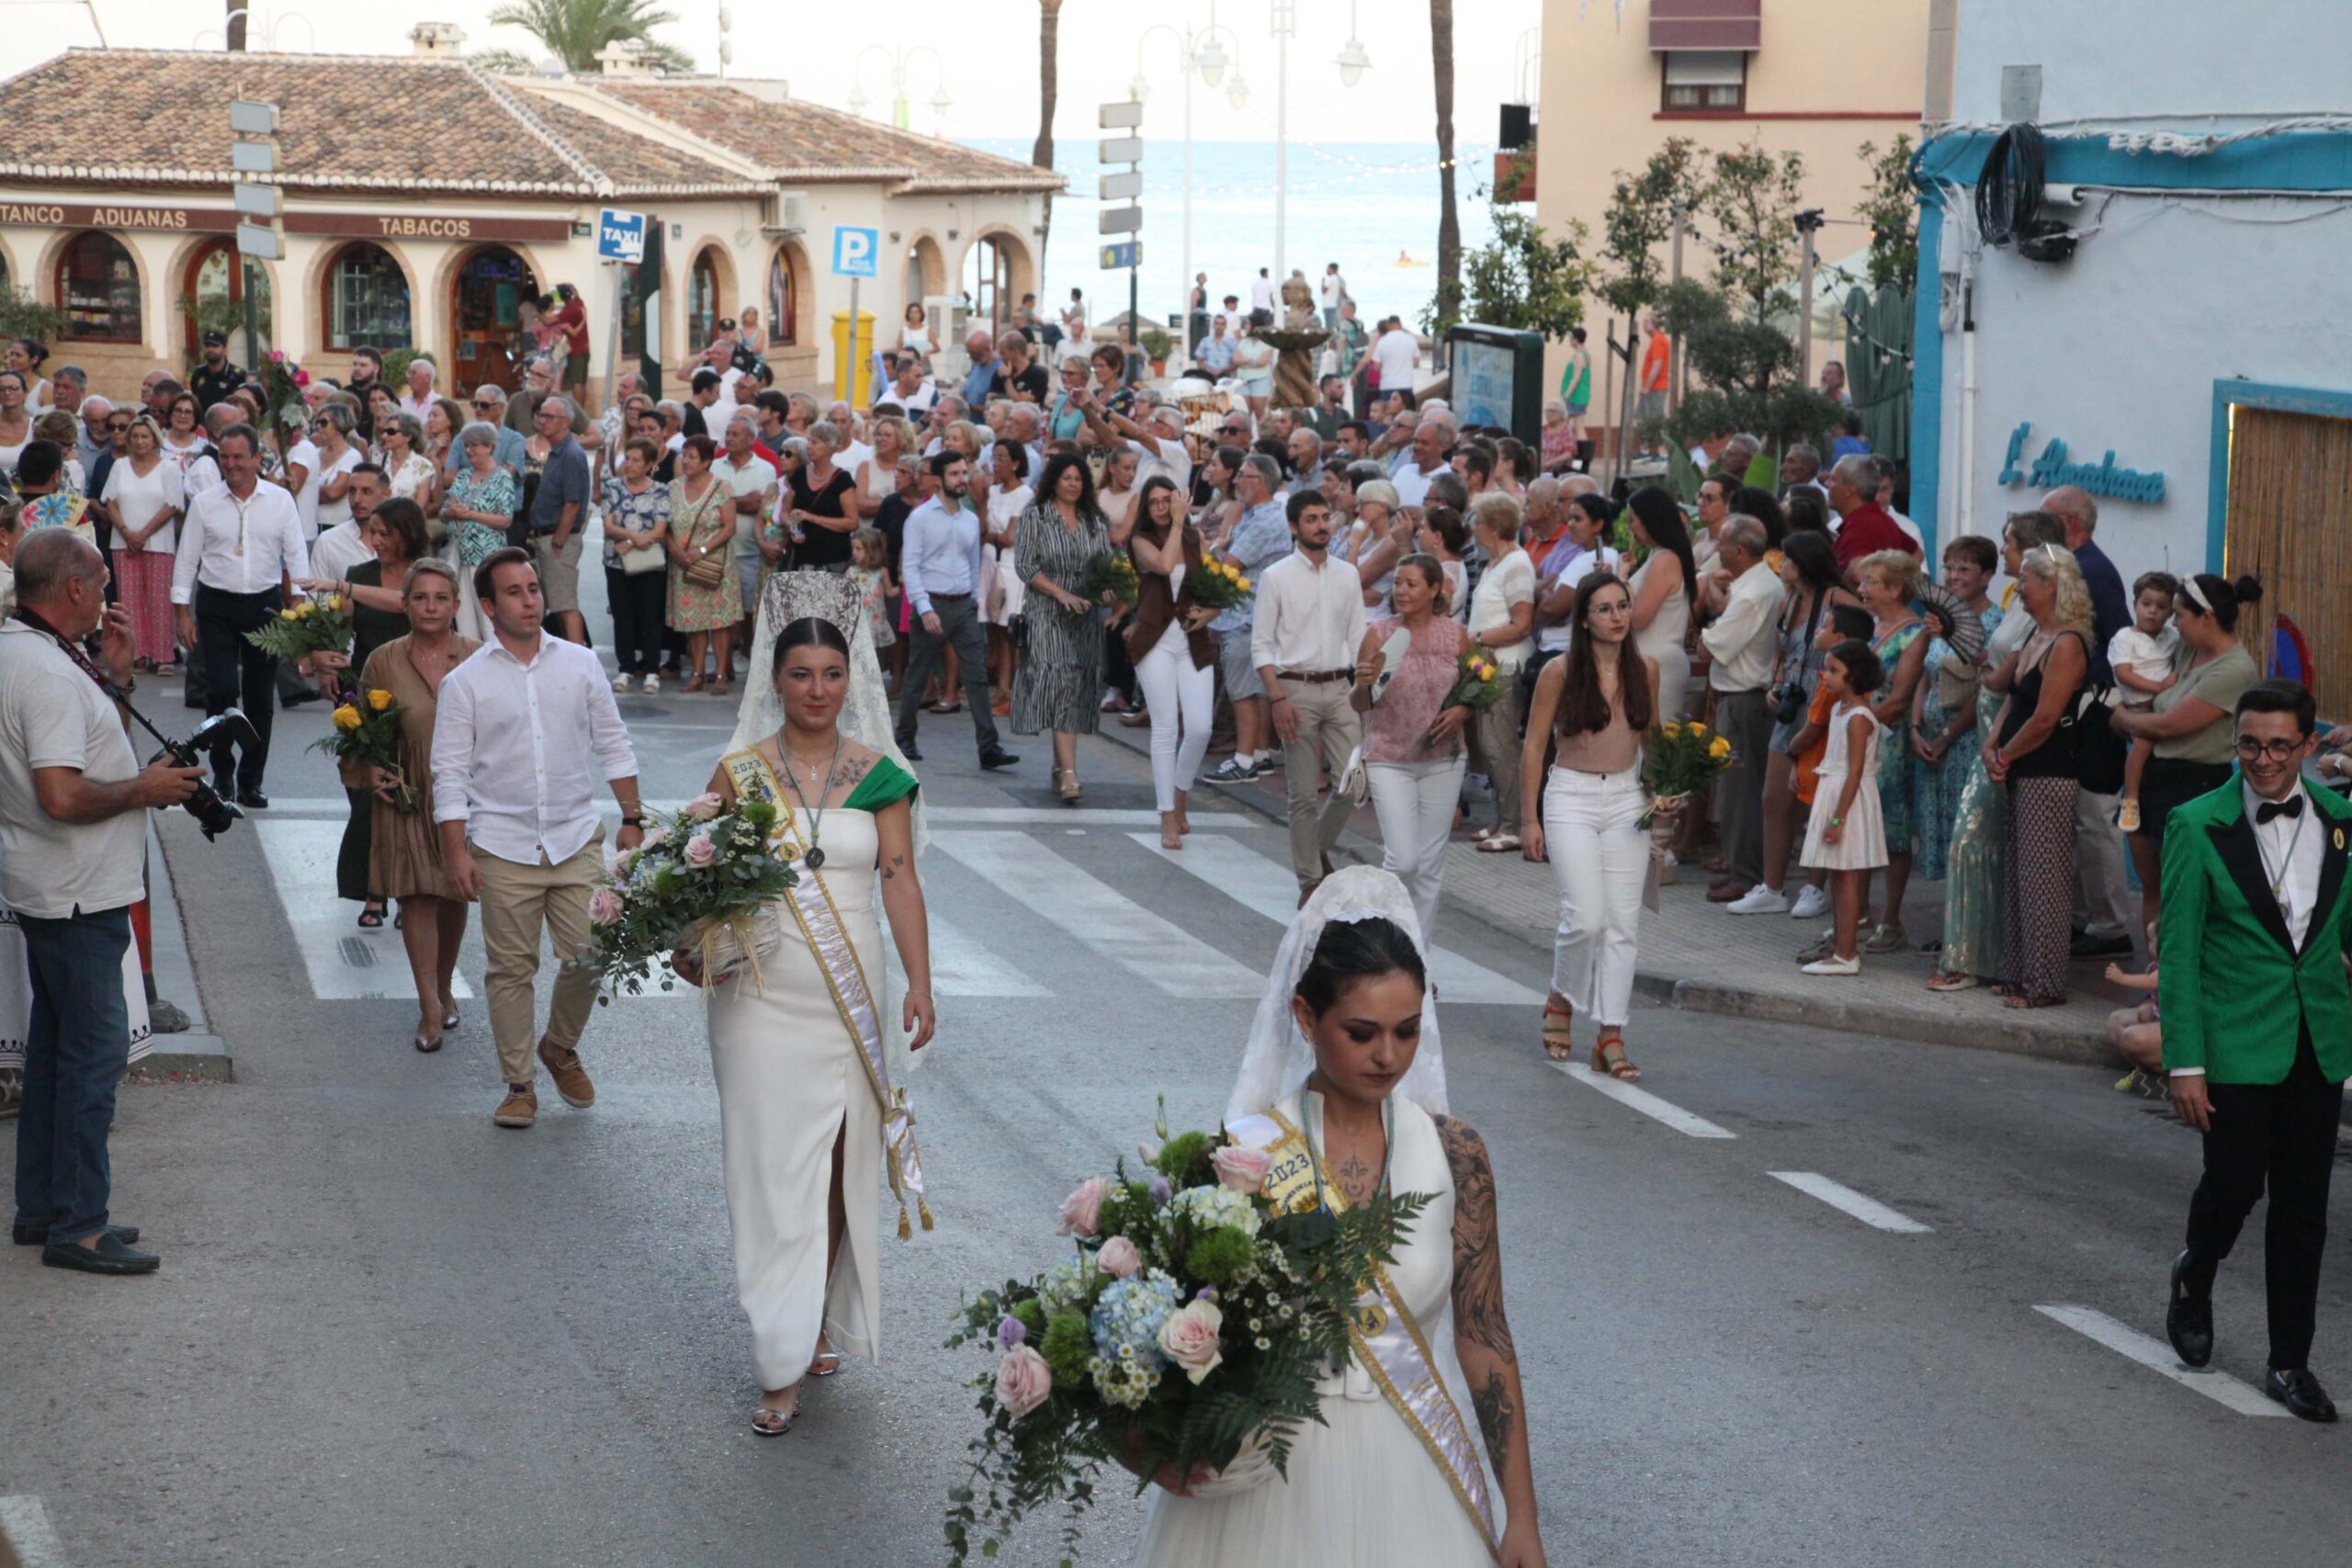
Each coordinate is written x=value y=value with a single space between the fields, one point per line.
x=2141 y=657
x=1847 y=835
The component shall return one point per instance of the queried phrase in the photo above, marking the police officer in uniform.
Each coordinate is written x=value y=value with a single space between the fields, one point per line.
x=216 y=380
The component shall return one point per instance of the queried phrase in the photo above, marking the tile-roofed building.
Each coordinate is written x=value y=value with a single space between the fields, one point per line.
x=428 y=204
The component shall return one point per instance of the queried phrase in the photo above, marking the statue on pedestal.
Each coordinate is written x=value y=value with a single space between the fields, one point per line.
x=1302 y=335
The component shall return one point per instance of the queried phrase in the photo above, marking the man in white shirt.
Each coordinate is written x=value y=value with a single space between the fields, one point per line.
x=525 y=729
x=1396 y=353
x=1743 y=642
x=421 y=393
x=73 y=805
x=344 y=545
x=1158 y=440
x=1333 y=288
x=240 y=552
x=1428 y=457
x=1262 y=291
x=1309 y=630
x=913 y=395
x=939 y=563
x=752 y=480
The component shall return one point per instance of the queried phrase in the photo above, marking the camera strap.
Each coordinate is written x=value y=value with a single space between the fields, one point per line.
x=81 y=660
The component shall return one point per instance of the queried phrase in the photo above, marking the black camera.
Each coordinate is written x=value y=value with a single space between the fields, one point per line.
x=214 y=814
x=1790 y=701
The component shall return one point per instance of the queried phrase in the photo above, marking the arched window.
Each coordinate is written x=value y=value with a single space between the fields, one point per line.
x=367 y=299
x=215 y=296
x=702 y=301
x=783 y=301
x=98 y=287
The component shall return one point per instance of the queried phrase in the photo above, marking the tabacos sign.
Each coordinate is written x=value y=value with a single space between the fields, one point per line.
x=2051 y=469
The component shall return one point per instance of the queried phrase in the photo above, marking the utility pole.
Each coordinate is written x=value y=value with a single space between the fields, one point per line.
x=1809 y=223
x=1674 y=263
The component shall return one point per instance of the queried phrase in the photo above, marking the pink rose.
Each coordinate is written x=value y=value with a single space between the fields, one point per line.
x=603 y=907
x=1241 y=1170
x=1118 y=1258
x=655 y=838
x=700 y=852
x=301 y=377
x=1190 y=1338
x=703 y=807
x=1023 y=1380
x=1082 y=1210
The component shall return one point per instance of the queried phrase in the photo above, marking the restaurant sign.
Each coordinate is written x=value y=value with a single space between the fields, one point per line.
x=127 y=216
x=2051 y=469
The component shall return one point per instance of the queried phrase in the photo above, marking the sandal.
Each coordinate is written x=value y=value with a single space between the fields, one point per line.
x=1944 y=980
x=825 y=1364
x=449 y=1015
x=428 y=1043
x=1884 y=938
x=770 y=1422
x=1557 y=1043
x=1071 y=788
x=1622 y=1070
x=722 y=688
x=2021 y=1001
x=371 y=917
x=1497 y=844
x=692 y=684
x=943 y=707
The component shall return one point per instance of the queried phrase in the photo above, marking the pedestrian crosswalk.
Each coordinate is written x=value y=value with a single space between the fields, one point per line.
x=1106 y=912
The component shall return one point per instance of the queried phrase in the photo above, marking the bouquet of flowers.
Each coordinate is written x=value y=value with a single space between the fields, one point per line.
x=283 y=382
x=1188 y=1330
x=702 y=877
x=366 y=734
x=1686 y=755
x=1111 y=572
x=1217 y=586
x=310 y=626
x=1477 y=685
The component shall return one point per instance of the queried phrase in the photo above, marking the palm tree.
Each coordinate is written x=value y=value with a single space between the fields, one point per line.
x=1050 y=88
x=576 y=31
x=1449 y=223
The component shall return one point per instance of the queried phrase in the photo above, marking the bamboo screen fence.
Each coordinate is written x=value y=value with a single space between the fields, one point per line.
x=2290 y=524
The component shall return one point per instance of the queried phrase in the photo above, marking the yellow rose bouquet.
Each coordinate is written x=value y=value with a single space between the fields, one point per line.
x=1477 y=685
x=1110 y=571
x=305 y=627
x=1217 y=585
x=366 y=734
x=1683 y=757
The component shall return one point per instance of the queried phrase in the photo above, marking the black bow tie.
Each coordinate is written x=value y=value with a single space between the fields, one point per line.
x=2290 y=807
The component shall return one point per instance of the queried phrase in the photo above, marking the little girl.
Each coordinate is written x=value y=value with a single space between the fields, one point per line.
x=2137 y=1033
x=869 y=554
x=1846 y=836
x=2141 y=656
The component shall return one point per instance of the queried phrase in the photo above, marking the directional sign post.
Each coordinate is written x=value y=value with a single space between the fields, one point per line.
x=1124 y=115
x=621 y=242
x=261 y=228
x=857 y=255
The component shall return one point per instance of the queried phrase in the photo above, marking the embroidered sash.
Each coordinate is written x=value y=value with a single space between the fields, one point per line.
x=1387 y=1340
x=821 y=927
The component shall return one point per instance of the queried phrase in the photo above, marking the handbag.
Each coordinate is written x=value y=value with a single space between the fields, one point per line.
x=644 y=559
x=706 y=572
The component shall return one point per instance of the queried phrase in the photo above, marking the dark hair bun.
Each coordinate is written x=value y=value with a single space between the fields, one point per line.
x=2247 y=590
x=1352 y=950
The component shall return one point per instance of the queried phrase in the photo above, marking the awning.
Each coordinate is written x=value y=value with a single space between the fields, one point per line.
x=1706 y=24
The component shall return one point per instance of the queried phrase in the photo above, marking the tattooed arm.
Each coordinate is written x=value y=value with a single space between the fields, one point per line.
x=902 y=899
x=1482 y=1338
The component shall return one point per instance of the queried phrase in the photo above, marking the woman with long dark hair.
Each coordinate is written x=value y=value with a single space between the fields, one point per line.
x=1412 y=741
x=1175 y=658
x=1058 y=687
x=1665 y=587
x=1594 y=704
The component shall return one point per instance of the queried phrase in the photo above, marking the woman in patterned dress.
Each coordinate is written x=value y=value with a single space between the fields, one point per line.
x=482 y=501
x=702 y=522
x=1060 y=684
x=1944 y=713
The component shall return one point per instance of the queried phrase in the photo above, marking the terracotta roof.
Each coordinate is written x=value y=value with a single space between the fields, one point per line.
x=345 y=122
x=801 y=140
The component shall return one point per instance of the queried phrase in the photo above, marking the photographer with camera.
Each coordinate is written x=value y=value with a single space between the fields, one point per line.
x=72 y=837
x=241 y=551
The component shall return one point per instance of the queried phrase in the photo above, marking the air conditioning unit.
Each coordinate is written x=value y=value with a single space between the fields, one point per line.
x=792 y=208
x=944 y=315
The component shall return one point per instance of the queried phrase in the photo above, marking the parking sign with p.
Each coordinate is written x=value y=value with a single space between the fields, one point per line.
x=857 y=252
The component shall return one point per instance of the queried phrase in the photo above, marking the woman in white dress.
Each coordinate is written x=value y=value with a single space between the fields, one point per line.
x=811 y=1074
x=1346 y=1050
x=1662 y=591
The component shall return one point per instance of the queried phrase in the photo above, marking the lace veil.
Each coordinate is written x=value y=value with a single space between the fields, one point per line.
x=866 y=717
x=1278 y=1057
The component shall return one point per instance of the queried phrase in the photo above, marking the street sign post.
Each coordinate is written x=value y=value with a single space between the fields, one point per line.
x=621 y=242
x=857 y=254
x=261 y=204
x=1123 y=113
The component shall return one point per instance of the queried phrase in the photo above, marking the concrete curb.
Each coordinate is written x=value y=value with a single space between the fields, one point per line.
x=2079 y=1047
x=195 y=1054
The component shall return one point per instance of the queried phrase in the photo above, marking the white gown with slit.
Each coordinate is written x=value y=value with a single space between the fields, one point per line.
x=789 y=1083
x=1363 y=1490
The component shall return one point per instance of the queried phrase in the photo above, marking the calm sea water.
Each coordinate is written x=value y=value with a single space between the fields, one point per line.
x=1358 y=203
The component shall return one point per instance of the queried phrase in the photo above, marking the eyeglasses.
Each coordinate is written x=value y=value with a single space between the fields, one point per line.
x=2249 y=748
x=117 y=426
x=485 y=406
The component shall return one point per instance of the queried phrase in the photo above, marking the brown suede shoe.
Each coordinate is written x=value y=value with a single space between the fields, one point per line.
x=562 y=1064
x=519 y=1108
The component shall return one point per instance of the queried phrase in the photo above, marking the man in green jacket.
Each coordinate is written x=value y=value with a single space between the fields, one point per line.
x=2257 y=1025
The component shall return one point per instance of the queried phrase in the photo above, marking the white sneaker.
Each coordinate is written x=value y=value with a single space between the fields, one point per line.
x=620 y=683
x=1833 y=965
x=1811 y=905
x=653 y=682
x=1759 y=900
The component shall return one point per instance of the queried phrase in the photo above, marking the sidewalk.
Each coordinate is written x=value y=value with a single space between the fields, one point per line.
x=197 y=1054
x=1694 y=956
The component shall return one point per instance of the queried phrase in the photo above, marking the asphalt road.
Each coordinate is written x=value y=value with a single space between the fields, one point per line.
x=386 y=1332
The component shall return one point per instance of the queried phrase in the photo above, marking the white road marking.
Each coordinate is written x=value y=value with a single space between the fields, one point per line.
x=282 y=806
x=1101 y=916
x=1869 y=1210
x=2158 y=1357
x=1268 y=887
x=962 y=966
x=346 y=963
x=25 y=1528
x=1648 y=1104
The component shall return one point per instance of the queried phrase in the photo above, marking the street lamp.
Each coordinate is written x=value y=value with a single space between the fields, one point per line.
x=1197 y=50
x=899 y=57
x=1352 y=62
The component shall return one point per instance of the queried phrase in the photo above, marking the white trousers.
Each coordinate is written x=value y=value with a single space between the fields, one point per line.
x=1599 y=859
x=1182 y=701
x=1415 y=803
